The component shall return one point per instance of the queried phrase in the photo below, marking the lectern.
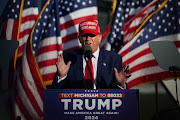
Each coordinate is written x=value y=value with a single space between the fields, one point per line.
x=90 y=104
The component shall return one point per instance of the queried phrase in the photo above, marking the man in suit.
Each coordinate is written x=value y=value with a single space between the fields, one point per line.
x=107 y=71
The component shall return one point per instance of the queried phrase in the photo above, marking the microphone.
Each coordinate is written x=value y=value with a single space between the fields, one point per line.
x=87 y=51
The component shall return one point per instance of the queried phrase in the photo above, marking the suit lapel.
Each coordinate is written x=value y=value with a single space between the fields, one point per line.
x=103 y=62
x=100 y=62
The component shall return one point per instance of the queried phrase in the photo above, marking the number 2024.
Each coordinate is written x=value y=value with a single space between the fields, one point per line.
x=91 y=117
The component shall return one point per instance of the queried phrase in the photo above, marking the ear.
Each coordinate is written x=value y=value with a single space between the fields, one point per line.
x=99 y=38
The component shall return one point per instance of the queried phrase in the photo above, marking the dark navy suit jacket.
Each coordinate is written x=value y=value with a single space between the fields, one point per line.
x=105 y=70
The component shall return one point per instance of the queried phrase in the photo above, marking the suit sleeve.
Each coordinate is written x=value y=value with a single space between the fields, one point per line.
x=59 y=85
x=108 y=60
x=118 y=63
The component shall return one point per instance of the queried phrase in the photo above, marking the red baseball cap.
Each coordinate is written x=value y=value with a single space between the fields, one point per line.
x=89 y=26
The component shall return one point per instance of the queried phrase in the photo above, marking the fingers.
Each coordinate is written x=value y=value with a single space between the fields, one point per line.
x=69 y=63
x=128 y=76
x=60 y=58
x=60 y=61
x=116 y=72
x=126 y=68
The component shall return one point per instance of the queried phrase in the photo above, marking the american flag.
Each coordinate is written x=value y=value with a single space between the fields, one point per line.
x=17 y=21
x=163 y=25
x=72 y=12
x=55 y=23
x=104 y=42
x=10 y=20
x=133 y=21
x=38 y=62
x=126 y=11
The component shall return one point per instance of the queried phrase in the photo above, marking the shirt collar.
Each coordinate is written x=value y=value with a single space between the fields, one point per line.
x=96 y=54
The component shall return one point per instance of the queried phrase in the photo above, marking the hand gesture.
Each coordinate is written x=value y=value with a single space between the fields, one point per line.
x=123 y=75
x=62 y=67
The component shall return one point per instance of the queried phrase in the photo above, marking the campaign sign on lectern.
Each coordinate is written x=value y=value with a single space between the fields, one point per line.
x=80 y=104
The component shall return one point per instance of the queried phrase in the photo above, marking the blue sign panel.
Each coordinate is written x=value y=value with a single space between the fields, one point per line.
x=80 y=104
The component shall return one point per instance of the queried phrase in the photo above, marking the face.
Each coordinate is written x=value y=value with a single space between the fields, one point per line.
x=91 y=39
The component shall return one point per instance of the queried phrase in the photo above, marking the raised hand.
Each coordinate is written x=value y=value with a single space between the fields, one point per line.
x=62 y=67
x=123 y=75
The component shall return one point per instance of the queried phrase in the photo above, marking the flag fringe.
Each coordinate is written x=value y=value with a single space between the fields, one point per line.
x=148 y=17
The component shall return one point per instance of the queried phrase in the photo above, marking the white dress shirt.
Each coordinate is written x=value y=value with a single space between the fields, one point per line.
x=94 y=62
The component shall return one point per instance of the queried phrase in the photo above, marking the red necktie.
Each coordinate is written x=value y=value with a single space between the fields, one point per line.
x=88 y=82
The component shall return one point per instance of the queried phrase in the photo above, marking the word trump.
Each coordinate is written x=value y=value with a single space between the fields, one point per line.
x=79 y=104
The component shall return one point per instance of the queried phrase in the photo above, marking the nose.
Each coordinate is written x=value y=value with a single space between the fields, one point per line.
x=88 y=38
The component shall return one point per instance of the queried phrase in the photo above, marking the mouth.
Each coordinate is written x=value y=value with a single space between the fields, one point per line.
x=88 y=43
